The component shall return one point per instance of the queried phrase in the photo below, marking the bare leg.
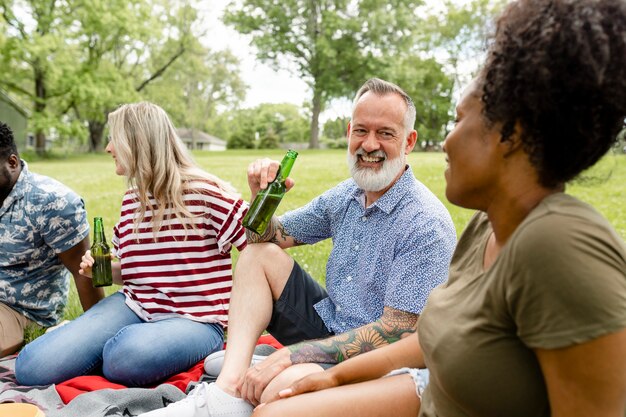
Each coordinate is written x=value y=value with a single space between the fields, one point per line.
x=261 y=273
x=392 y=396
x=288 y=377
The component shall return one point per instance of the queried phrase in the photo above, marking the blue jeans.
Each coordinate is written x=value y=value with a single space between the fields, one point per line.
x=110 y=338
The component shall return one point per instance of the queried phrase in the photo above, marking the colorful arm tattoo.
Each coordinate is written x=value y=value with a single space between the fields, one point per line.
x=393 y=325
x=275 y=233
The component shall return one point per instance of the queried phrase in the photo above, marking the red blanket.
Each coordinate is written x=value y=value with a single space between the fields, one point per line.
x=71 y=388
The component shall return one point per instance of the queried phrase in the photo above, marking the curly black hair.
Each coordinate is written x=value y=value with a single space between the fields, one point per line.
x=7 y=142
x=558 y=68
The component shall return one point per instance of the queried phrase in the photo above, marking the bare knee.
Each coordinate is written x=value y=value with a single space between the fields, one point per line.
x=264 y=261
x=288 y=377
x=264 y=254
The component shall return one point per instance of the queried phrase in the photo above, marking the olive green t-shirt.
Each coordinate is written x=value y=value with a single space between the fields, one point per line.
x=560 y=280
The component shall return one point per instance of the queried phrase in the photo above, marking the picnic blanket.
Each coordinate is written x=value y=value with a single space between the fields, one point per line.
x=95 y=396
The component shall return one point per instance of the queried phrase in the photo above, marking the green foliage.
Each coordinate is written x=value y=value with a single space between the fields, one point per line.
x=335 y=132
x=76 y=60
x=243 y=137
x=431 y=89
x=334 y=45
x=458 y=37
x=269 y=140
x=336 y=128
x=271 y=123
x=197 y=85
x=314 y=172
x=36 y=56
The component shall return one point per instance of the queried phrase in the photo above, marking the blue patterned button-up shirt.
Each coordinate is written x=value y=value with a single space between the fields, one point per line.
x=392 y=253
x=39 y=219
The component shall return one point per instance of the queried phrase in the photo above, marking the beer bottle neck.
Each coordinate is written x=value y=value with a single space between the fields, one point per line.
x=286 y=165
x=98 y=234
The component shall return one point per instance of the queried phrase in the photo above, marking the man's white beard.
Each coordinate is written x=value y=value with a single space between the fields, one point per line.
x=369 y=179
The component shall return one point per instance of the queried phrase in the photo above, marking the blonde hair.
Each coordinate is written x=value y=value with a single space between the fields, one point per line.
x=156 y=162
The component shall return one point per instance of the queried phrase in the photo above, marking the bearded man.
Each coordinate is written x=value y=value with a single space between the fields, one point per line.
x=392 y=244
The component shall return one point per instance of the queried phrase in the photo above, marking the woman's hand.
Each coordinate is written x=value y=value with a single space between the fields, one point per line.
x=315 y=382
x=86 y=262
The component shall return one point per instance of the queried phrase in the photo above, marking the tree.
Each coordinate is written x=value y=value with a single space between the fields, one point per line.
x=127 y=46
x=334 y=45
x=270 y=123
x=431 y=90
x=285 y=120
x=458 y=37
x=269 y=140
x=443 y=57
x=200 y=84
x=243 y=135
x=35 y=57
x=76 y=60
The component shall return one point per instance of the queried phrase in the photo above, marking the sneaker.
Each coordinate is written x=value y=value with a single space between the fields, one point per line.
x=206 y=400
x=215 y=361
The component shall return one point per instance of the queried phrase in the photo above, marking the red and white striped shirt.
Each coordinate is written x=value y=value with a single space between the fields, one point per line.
x=184 y=272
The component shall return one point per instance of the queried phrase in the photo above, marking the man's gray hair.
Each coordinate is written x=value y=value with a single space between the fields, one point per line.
x=383 y=88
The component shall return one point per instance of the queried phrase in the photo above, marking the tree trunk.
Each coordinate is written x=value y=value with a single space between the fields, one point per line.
x=96 y=130
x=314 y=143
x=40 y=107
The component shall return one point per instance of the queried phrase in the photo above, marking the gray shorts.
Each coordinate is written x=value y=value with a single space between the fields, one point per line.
x=293 y=317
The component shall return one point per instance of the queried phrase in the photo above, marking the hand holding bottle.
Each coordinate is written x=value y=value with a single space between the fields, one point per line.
x=262 y=172
x=86 y=262
x=268 y=184
x=99 y=257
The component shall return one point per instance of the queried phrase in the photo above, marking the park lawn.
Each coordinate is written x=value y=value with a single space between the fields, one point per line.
x=93 y=177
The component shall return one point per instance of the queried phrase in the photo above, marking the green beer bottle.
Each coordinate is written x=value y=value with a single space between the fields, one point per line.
x=101 y=270
x=266 y=201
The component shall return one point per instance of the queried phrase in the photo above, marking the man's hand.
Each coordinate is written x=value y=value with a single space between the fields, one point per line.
x=257 y=377
x=261 y=172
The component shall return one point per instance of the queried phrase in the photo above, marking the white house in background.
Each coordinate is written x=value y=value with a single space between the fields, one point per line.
x=203 y=141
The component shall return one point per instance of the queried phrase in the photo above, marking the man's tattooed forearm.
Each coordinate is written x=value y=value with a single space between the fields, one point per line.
x=390 y=328
x=267 y=236
x=275 y=233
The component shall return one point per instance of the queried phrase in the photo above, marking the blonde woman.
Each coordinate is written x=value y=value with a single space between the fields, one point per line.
x=173 y=241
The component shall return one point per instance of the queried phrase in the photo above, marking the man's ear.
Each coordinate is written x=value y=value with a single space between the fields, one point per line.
x=411 y=140
x=348 y=131
x=13 y=161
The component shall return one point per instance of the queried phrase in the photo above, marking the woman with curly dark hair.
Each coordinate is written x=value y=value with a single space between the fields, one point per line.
x=532 y=321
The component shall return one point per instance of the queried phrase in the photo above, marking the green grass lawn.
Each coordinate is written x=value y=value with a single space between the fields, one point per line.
x=93 y=177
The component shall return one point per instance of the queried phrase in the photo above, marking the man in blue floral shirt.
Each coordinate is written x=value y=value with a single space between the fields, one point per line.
x=43 y=233
x=392 y=244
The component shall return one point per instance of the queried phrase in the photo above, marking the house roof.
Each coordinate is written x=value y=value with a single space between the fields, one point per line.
x=4 y=96
x=201 y=137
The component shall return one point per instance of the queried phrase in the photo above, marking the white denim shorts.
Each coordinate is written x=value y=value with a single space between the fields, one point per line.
x=420 y=378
